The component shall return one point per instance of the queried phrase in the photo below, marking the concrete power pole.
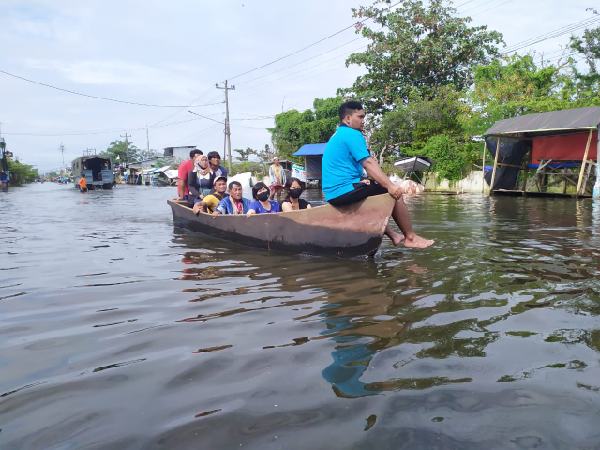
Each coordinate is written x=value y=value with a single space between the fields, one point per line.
x=126 y=148
x=147 y=141
x=62 y=151
x=227 y=88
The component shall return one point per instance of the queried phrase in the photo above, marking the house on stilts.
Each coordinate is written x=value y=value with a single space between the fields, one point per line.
x=544 y=154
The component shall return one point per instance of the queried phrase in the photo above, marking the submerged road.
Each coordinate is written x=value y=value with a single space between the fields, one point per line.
x=118 y=331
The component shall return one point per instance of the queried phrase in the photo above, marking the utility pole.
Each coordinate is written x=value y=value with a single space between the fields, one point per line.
x=62 y=151
x=126 y=148
x=596 y=189
x=147 y=141
x=227 y=88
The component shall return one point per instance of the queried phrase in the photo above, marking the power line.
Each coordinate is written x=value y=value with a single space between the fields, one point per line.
x=106 y=131
x=97 y=97
x=206 y=117
x=276 y=60
x=300 y=62
x=551 y=34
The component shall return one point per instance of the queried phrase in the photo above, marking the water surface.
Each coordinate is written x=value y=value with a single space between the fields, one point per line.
x=119 y=331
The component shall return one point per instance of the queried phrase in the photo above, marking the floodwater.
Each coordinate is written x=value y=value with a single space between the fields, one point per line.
x=118 y=331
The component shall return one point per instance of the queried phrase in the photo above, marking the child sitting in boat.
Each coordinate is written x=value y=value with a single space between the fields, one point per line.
x=293 y=201
x=235 y=203
x=261 y=203
x=210 y=202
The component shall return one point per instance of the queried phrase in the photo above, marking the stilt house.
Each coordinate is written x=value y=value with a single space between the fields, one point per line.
x=553 y=153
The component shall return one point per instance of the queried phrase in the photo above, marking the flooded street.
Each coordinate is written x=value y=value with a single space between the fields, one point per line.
x=118 y=331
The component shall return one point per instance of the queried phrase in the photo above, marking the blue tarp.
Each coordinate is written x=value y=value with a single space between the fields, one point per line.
x=311 y=150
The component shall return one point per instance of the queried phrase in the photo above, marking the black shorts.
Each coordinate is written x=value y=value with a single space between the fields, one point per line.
x=360 y=192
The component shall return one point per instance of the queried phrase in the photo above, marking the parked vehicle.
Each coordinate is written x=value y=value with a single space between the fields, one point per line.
x=97 y=171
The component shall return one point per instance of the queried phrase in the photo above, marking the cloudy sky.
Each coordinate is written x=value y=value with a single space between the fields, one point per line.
x=173 y=53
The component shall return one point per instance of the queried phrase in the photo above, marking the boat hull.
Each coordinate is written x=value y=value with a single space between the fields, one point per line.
x=351 y=230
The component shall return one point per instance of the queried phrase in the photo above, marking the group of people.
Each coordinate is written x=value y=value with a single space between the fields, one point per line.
x=203 y=184
x=350 y=174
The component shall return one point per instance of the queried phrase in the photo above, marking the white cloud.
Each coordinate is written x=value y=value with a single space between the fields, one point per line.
x=171 y=52
x=176 y=80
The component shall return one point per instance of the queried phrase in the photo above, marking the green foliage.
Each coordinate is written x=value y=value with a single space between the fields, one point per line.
x=515 y=86
x=257 y=168
x=294 y=128
x=587 y=85
x=416 y=47
x=121 y=152
x=406 y=129
x=244 y=155
x=451 y=160
x=21 y=173
x=588 y=45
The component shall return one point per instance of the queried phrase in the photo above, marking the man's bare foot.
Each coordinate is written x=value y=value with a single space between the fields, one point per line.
x=396 y=237
x=416 y=241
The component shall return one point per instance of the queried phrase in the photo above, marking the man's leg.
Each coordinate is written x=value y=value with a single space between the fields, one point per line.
x=402 y=218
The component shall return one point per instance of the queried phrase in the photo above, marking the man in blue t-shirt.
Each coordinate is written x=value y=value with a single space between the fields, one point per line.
x=345 y=160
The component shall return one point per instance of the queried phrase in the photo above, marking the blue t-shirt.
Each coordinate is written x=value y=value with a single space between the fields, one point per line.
x=258 y=207
x=342 y=160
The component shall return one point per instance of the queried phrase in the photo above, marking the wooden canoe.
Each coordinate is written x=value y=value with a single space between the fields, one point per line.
x=351 y=230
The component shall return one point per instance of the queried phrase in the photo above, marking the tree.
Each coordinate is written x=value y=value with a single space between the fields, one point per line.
x=416 y=47
x=244 y=155
x=515 y=86
x=406 y=129
x=452 y=159
x=266 y=154
x=588 y=84
x=121 y=152
x=294 y=129
x=21 y=173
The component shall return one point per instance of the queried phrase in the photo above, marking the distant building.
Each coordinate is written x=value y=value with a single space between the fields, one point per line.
x=313 y=156
x=178 y=153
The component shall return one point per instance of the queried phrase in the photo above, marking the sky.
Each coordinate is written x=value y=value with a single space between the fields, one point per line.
x=173 y=53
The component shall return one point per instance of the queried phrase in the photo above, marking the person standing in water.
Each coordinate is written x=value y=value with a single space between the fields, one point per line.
x=346 y=155
x=83 y=184
x=277 y=178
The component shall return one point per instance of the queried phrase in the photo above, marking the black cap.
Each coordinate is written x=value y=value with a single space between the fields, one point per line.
x=213 y=154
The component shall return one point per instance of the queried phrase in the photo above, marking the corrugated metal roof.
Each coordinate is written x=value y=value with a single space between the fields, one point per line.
x=311 y=149
x=565 y=120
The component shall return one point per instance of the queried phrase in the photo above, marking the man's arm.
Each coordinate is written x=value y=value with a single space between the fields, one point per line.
x=374 y=171
x=180 y=193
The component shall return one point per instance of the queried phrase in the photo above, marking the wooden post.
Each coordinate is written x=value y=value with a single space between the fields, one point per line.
x=495 y=165
x=483 y=166
x=584 y=162
x=526 y=169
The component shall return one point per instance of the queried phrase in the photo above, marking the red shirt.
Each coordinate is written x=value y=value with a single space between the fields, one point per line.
x=182 y=173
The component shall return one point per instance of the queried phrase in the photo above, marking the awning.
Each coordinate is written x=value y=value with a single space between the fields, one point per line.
x=311 y=150
x=539 y=123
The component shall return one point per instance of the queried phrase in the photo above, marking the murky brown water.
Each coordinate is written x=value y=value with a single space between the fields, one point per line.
x=119 y=332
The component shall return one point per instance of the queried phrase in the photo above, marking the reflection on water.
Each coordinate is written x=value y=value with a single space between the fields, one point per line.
x=165 y=339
